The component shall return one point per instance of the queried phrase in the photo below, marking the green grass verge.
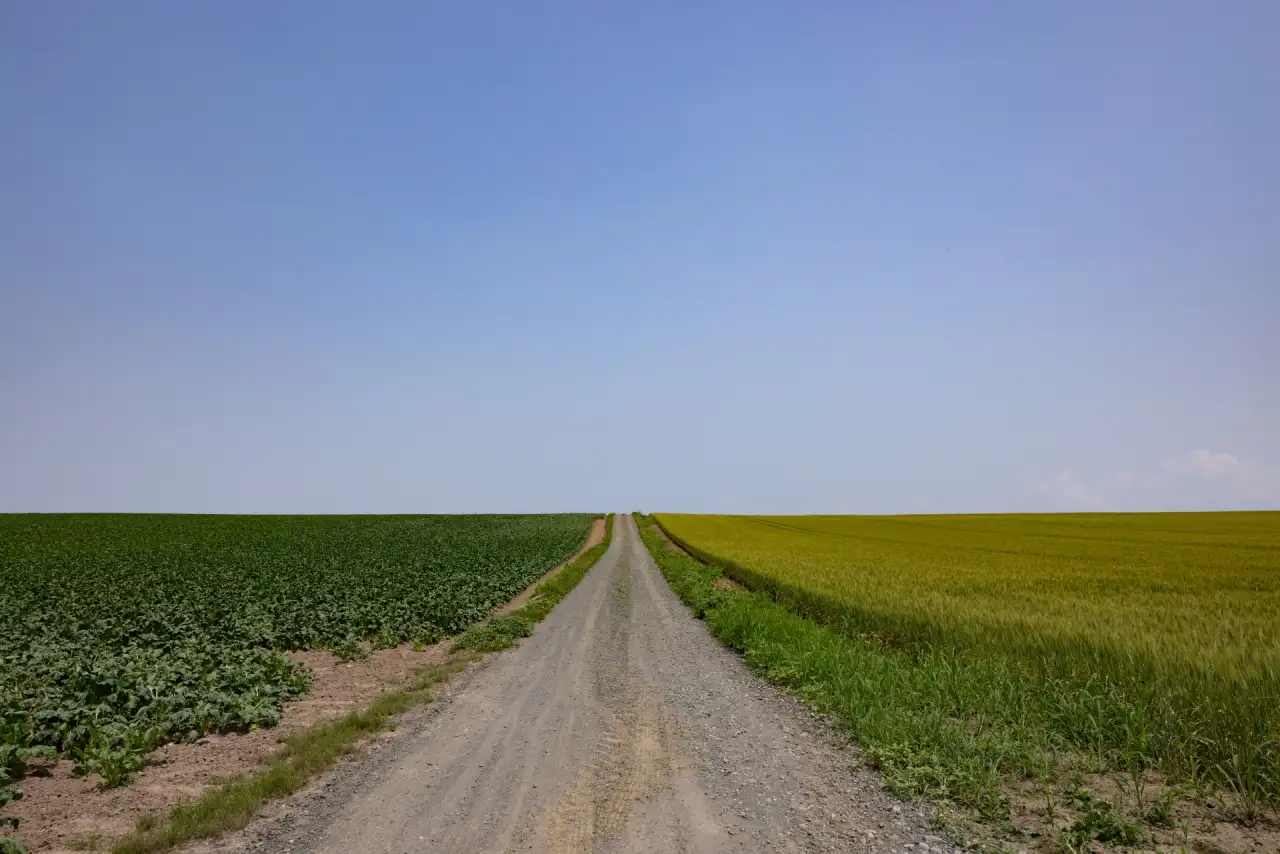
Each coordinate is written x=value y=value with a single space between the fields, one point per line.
x=231 y=806
x=1150 y=638
x=959 y=733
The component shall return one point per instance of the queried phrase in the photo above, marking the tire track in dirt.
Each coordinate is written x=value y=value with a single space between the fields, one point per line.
x=632 y=764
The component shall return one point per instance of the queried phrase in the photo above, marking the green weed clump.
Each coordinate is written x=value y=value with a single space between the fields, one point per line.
x=1143 y=640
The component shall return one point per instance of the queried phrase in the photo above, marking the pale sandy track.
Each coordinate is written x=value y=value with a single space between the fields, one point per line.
x=621 y=725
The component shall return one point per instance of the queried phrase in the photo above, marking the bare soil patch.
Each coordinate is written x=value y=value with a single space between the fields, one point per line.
x=61 y=812
x=1200 y=825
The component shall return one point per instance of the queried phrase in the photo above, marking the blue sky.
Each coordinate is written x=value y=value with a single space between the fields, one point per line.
x=723 y=257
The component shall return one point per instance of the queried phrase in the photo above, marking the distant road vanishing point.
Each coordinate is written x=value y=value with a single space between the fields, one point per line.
x=621 y=725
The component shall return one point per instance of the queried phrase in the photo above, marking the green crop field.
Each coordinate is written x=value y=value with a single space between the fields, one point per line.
x=121 y=631
x=1146 y=638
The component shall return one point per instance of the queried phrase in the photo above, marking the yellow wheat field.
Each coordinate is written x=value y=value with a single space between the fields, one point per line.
x=1180 y=611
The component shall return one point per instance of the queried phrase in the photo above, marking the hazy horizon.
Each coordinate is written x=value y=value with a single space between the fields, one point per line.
x=738 y=258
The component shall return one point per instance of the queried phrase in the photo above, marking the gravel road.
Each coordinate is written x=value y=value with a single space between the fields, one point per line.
x=620 y=725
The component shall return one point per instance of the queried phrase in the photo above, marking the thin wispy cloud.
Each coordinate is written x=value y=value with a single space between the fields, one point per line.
x=1204 y=464
x=1197 y=480
x=1246 y=477
x=1066 y=489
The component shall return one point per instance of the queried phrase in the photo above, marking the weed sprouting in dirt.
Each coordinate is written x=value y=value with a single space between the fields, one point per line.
x=495 y=635
x=116 y=753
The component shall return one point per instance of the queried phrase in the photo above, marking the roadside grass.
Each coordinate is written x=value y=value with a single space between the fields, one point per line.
x=977 y=737
x=231 y=806
x=1147 y=640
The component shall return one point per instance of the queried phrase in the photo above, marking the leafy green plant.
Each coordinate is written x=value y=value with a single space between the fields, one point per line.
x=233 y=804
x=11 y=844
x=8 y=794
x=1100 y=821
x=16 y=750
x=503 y=632
x=350 y=649
x=494 y=635
x=116 y=754
x=116 y=627
x=1161 y=811
x=1050 y=806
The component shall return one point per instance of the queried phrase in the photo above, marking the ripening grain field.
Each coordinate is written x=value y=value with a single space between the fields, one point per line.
x=121 y=631
x=1153 y=639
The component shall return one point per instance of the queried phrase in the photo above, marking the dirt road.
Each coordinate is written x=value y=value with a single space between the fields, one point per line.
x=621 y=725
